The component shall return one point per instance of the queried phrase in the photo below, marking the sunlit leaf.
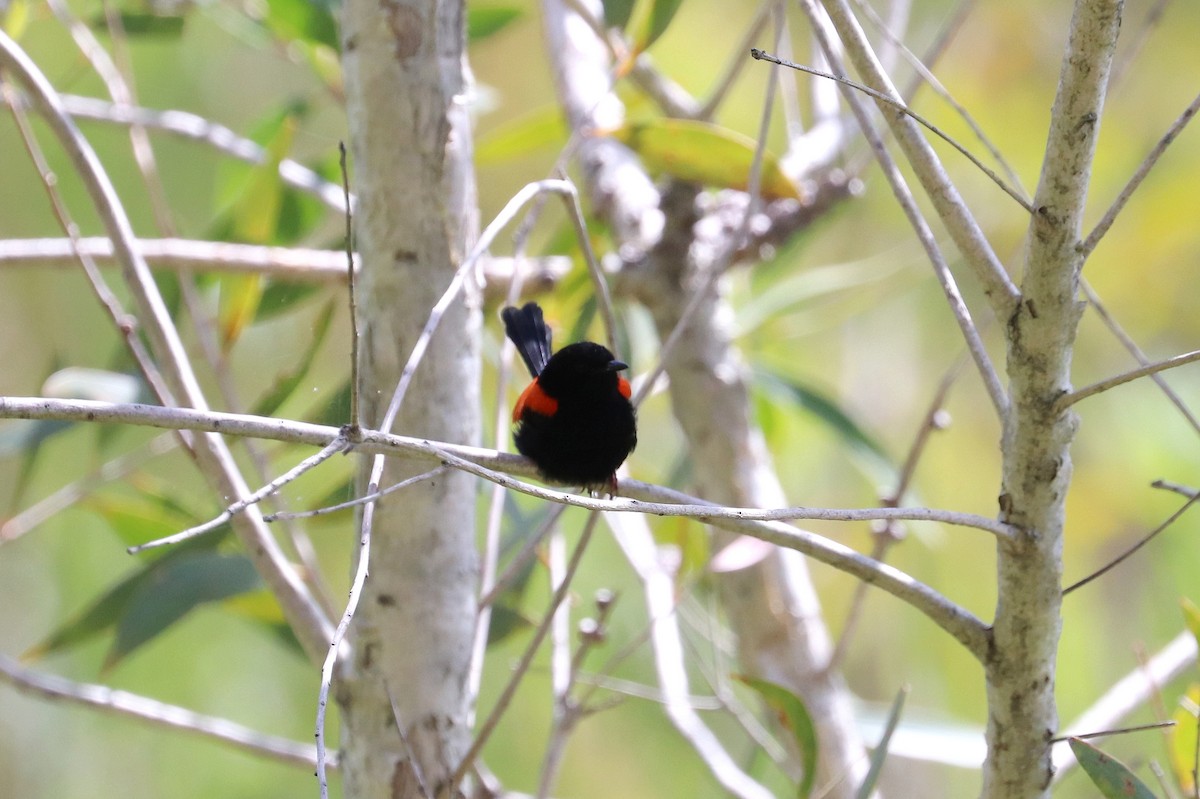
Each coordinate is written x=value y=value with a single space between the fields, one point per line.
x=1181 y=739
x=794 y=717
x=240 y=296
x=16 y=18
x=1111 y=777
x=1191 y=617
x=483 y=21
x=178 y=586
x=310 y=21
x=703 y=153
x=880 y=754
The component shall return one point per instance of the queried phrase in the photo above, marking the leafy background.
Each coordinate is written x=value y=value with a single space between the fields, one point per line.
x=845 y=327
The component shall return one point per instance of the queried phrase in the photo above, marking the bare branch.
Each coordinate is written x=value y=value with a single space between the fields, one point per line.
x=305 y=614
x=1104 y=385
x=1002 y=294
x=1143 y=170
x=151 y=711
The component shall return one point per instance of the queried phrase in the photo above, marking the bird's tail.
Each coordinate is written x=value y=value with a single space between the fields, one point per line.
x=530 y=333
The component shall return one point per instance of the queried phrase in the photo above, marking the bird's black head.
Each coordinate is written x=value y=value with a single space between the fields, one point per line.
x=585 y=365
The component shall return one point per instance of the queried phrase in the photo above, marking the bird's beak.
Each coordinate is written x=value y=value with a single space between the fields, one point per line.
x=616 y=366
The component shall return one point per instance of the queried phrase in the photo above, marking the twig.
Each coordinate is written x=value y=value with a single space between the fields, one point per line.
x=352 y=288
x=1131 y=346
x=1110 y=216
x=1141 y=543
x=151 y=711
x=751 y=521
x=1068 y=400
x=354 y=503
x=941 y=269
x=335 y=646
x=1166 y=485
x=636 y=542
x=999 y=289
x=900 y=106
x=197 y=128
x=734 y=67
x=522 y=666
x=305 y=614
x=886 y=536
x=1155 y=725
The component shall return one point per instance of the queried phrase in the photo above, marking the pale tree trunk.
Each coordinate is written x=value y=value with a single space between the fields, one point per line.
x=1022 y=715
x=416 y=217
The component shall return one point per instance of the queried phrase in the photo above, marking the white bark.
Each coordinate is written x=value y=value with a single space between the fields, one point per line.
x=1022 y=716
x=405 y=84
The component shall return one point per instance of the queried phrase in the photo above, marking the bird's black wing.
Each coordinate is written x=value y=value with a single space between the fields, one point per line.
x=530 y=333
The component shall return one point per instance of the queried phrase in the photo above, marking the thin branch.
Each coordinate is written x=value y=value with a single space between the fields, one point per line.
x=1110 y=216
x=197 y=128
x=1131 y=346
x=522 y=666
x=637 y=543
x=160 y=714
x=997 y=286
x=900 y=106
x=751 y=521
x=941 y=269
x=1068 y=400
x=354 y=503
x=304 y=612
x=1129 y=693
x=1146 y=539
x=339 y=444
x=1154 y=725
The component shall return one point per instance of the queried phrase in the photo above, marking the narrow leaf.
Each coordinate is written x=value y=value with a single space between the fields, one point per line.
x=880 y=754
x=1111 y=777
x=649 y=20
x=793 y=716
x=286 y=383
x=178 y=587
x=703 y=153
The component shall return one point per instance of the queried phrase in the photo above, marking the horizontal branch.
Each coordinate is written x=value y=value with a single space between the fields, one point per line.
x=123 y=703
x=297 y=264
x=498 y=466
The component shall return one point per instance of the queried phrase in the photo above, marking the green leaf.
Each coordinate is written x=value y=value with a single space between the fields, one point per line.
x=483 y=21
x=138 y=518
x=1112 y=777
x=506 y=622
x=880 y=754
x=286 y=383
x=106 y=612
x=335 y=409
x=1191 y=617
x=704 y=153
x=787 y=389
x=649 y=20
x=793 y=716
x=173 y=590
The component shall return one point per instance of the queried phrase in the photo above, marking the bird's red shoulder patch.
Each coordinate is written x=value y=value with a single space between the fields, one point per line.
x=533 y=398
x=624 y=387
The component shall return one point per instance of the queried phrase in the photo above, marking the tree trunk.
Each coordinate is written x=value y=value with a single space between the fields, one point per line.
x=406 y=78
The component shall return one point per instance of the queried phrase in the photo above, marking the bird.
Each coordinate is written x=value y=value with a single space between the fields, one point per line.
x=575 y=420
